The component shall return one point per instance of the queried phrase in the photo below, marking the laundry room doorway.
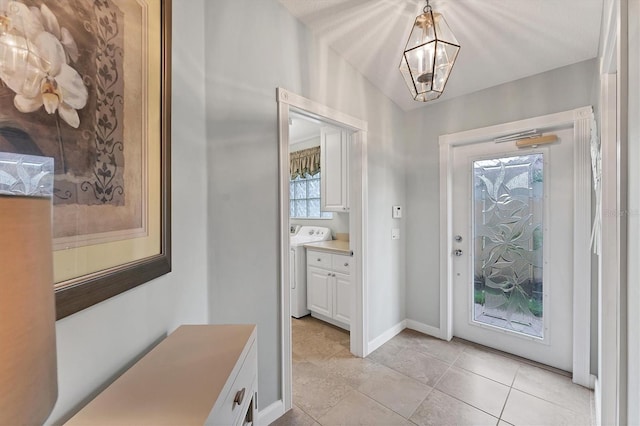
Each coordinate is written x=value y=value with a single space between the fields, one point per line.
x=322 y=284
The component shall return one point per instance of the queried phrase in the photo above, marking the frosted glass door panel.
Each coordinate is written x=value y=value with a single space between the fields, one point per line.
x=507 y=219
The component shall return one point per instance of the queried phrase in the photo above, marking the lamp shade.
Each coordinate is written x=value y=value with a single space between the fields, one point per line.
x=28 y=377
x=429 y=56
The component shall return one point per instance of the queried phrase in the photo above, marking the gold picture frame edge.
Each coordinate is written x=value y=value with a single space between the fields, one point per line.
x=86 y=291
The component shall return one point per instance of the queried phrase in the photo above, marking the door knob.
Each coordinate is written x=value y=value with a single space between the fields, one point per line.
x=457 y=252
x=458 y=238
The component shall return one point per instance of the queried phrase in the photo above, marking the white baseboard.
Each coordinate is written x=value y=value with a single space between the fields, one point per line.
x=393 y=331
x=270 y=414
x=385 y=337
x=424 y=328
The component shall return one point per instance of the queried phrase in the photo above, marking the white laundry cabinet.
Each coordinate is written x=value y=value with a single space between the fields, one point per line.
x=334 y=163
x=329 y=287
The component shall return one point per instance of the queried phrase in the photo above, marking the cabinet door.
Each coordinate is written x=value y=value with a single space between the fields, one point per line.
x=342 y=306
x=334 y=179
x=320 y=291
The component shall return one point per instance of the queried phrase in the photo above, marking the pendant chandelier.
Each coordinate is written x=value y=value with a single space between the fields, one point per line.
x=429 y=55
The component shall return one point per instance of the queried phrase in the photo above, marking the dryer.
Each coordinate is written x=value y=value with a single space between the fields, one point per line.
x=298 y=265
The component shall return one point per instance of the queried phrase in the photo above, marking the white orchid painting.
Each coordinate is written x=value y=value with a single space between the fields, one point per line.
x=36 y=62
x=62 y=92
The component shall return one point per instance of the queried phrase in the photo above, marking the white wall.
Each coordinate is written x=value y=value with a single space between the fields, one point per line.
x=305 y=144
x=252 y=48
x=96 y=343
x=633 y=279
x=554 y=91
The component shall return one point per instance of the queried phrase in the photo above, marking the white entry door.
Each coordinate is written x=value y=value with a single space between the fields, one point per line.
x=512 y=222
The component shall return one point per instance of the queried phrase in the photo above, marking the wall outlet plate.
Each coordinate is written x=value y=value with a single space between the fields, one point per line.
x=395 y=234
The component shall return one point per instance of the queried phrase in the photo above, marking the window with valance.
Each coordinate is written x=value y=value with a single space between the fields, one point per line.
x=304 y=162
x=304 y=185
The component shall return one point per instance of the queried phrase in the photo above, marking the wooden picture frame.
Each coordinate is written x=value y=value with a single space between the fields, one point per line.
x=78 y=293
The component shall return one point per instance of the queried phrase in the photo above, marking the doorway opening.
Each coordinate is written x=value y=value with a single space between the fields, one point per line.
x=477 y=292
x=337 y=293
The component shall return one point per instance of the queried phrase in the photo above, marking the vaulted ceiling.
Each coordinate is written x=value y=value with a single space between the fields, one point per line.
x=501 y=40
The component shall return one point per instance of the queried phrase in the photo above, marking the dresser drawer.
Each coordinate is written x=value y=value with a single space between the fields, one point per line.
x=319 y=259
x=234 y=408
x=342 y=263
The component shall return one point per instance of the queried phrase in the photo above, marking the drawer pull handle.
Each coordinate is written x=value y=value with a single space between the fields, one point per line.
x=346 y=264
x=319 y=259
x=239 y=397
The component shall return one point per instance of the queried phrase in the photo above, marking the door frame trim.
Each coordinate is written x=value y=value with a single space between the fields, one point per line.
x=581 y=120
x=358 y=225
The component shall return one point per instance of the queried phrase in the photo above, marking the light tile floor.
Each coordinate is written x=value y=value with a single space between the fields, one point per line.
x=415 y=379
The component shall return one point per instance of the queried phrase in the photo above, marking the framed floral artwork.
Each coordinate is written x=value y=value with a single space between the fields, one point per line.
x=87 y=83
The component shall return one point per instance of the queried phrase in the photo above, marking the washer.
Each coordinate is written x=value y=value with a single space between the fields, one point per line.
x=298 y=265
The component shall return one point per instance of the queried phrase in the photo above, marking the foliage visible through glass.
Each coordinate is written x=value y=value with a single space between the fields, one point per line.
x=304 y=198
x=508 y=211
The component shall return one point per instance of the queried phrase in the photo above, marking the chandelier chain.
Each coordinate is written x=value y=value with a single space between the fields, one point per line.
x=427 y=8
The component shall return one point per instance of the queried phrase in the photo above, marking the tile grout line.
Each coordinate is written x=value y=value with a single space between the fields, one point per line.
x=540 y=397
x=421 y=402
x=482 y=375
x=432 y=387
x=471 y=371
x=336 y=404
x=446 y=371
x=332 y=406
x=550 y=402
x=412 y=379
x=301 y=409
x=508 y=394
x=388 y=408
x=465 y=402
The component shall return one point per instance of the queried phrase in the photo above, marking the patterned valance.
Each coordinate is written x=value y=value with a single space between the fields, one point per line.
x=305 y=161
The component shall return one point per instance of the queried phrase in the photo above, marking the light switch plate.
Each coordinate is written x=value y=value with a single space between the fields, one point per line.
x=395 y=234
x=397 y=212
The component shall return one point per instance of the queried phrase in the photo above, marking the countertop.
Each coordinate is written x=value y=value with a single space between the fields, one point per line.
x=333 y=246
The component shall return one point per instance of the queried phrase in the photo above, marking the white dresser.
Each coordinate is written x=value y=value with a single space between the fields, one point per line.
x=200 y=374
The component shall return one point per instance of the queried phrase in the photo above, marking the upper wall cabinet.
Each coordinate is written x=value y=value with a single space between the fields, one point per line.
x=334 y=166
